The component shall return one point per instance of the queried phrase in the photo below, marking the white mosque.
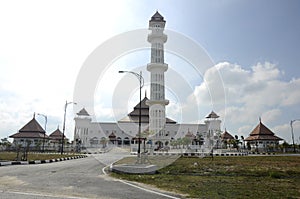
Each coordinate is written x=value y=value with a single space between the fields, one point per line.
x=159 y=129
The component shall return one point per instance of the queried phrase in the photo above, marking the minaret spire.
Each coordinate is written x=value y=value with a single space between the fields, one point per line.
x=157 y=67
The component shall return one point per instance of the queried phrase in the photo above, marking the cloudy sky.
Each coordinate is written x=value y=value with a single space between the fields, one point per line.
x=254 y=47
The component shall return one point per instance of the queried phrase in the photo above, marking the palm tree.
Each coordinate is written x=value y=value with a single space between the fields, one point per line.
x=243 y=139
x=236 y=142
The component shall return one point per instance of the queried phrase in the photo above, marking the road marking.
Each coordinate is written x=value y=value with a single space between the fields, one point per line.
x=148 y=190
x=139 y=187
x=103 y=169
x=136 y=186
x=41 y=195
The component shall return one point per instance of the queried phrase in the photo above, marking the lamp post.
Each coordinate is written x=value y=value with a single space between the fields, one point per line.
x=64 y=126
x=45 y=116
x=141 y=80
x=292 y=131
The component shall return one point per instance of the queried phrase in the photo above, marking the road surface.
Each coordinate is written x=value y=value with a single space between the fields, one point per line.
x=80 y=178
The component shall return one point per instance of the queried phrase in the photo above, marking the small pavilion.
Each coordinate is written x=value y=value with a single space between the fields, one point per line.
x=262 y=139
x=31 y=135
x=55 y=139
x=226 y=139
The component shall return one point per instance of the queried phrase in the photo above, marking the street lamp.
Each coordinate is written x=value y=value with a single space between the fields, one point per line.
x=64 y=126
x=141 y=80
x=292 y=131
x=45 y=116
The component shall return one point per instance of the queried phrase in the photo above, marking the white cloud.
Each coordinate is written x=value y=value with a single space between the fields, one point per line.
x=283 y=131
x=42 y=48
x=250 y=94
x=271 y=115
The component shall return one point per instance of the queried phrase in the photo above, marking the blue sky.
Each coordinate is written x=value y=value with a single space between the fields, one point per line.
x=254 y=44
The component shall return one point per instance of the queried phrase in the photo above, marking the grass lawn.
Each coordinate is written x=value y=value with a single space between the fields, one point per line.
x=11 y=156
x=228 y=177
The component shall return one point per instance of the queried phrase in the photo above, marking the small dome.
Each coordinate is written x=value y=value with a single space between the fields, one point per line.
x=157 y=17
x=83 y=112
x=212 y=115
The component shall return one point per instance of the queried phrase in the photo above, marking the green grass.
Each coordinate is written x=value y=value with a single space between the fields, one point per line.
x=11 y=156
x=228 y=177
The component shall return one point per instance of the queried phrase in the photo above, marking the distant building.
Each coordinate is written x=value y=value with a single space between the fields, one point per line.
x=31 y=135
x=262 y=139
x=55 y=139
x=226 y=139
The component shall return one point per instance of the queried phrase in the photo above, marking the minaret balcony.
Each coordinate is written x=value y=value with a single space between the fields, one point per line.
x=157 y=36
x=157 y=66
x=155 y=102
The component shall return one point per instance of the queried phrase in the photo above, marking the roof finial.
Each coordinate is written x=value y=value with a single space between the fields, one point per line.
x=57 y=126
x=145 y=93
x=34 y=115
x=259 y=119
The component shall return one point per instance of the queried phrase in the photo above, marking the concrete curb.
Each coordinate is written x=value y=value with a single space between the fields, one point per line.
x=40 y=161
x=197 y=154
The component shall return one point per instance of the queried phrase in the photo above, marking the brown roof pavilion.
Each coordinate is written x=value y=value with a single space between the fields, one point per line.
x=226 y=136
x=56 y=135
x=31 y=130
x=261 y=132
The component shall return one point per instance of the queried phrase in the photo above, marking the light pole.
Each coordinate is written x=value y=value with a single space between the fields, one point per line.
x=141 y=80
x=45 y=116
x=64 y=126
x=292 y=131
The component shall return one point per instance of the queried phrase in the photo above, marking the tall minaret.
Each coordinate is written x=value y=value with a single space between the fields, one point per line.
x=157 y=67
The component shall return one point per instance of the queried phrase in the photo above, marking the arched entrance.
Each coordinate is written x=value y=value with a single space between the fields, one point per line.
x=126 y=141
x=112 y=138
x=119 y=141
x=158 y=145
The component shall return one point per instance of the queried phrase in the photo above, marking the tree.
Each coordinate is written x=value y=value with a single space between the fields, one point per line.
x=235 y=142
x=179 y=142
x=243 y=139
x=225 y=143
x=174 y=143
x=200 y=139
x=285 y=145
x=38 y=145
x=5 y=143
x=103 y=141
x=248 y=146
x=185 y=141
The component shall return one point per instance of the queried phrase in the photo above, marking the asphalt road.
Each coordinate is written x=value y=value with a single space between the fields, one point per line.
x=80 y=178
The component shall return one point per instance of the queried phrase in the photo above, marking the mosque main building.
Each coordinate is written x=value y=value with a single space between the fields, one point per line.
x=160 y=130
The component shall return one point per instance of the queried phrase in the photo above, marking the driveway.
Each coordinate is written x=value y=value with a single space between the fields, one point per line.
x=80 y=178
